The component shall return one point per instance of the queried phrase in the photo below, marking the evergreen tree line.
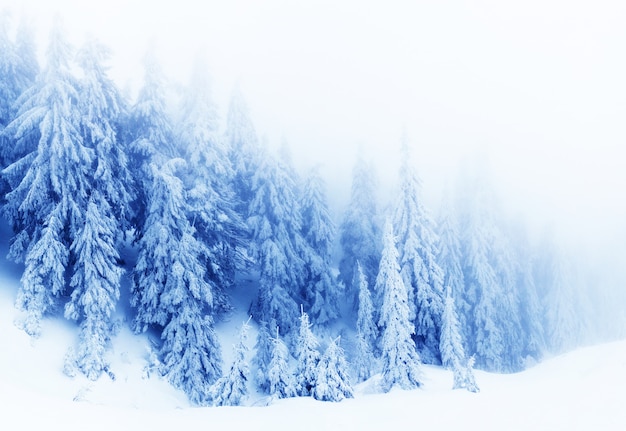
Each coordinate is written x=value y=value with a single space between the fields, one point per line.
x=87 y=173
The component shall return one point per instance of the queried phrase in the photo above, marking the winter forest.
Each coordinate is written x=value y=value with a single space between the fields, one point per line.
x=161 y=206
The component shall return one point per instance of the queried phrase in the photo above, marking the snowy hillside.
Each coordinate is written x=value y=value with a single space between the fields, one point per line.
x=584 y=389
x=174 y=257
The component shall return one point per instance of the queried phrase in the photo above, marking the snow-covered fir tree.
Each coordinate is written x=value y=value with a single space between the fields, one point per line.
x=533 y=341
x=18 y=64
x=277 y=244
x=321 y=290
x=281 y=381
x=27 y=65
x=263 y=355
x=191 y=354
x=451 y=347
x=163 y=229
x=232 y=388
x=486 y=332
x=366 y=330
x=243 y=150
x=495 y=333
x=96 y=275
x=95 y=284
x=307 y=356
x=452 y=352
x=150 y=134
x=401 y=365
x=562 y=321
x=359 y=231
x=466 y=378
x=209 y=175
x=150 y=123
x=49 y=180
x=169 y=289
x=503 y=258
x=18 y=69
x=332 y=377
x=102 y=109
x=450 y=258
x=417 y=244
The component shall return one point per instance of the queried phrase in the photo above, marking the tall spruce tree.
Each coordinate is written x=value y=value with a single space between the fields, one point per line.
x=149 y=132
x=281 y=382
x=452 y=352
x=277 y=244
x=208 y=178
x=244 y=151
x=366 y=330
x=102 y=109
x=417 y=244
x=27 y=65
x=18 y=70
x=169 y=289
x=533 y=341
x=96 y=274
x=18 y=67
x=401 y=365
x=307 y=357
x=321 y=291
x=562 y=321
x=507 y=266
x=96 y=286
x=450 y=259
x=263 y=355
x=49 y=180
x=359 y=231
x=489 y=272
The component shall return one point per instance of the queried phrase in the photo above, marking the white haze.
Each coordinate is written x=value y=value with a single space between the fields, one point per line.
x=537 y=87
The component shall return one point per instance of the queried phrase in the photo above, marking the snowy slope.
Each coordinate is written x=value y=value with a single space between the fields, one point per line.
x=585 y=389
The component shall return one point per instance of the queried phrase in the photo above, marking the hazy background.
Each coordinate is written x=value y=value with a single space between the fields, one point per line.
x=536 y=87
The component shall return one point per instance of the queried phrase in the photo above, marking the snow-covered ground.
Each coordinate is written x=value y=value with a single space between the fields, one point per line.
x=585 y=389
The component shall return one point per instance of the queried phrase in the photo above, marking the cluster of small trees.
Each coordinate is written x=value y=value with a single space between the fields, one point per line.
x=86 y=172
x=325 y=376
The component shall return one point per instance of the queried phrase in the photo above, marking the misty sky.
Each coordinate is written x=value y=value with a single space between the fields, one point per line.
x=537 y=87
